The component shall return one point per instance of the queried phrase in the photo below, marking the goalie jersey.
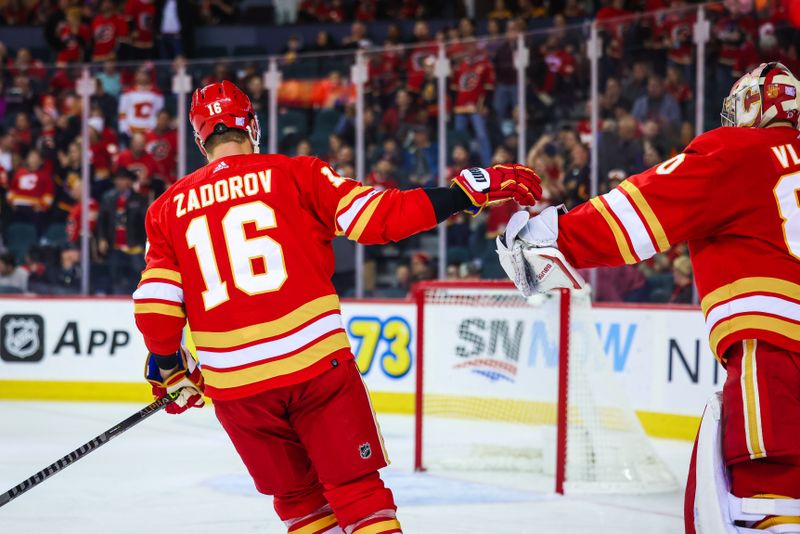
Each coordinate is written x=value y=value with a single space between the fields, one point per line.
x=734 y=196
x=242 y=249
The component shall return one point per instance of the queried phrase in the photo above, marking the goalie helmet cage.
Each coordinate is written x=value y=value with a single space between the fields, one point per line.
x=558 y=409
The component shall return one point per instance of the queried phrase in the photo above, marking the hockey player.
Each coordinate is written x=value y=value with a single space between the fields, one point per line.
x=734 y=195
x=241 y=249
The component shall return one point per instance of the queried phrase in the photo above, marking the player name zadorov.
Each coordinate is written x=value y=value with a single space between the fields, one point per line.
x=224 y=189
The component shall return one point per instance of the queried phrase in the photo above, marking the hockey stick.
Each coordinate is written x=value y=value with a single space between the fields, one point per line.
x=86 y=448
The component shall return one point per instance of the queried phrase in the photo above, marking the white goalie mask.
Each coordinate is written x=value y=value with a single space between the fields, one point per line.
x=766 y=94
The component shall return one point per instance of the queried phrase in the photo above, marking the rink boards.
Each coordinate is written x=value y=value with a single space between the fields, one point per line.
x=89 y=349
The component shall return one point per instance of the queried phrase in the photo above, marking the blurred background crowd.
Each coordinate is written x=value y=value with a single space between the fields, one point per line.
x=647 y=81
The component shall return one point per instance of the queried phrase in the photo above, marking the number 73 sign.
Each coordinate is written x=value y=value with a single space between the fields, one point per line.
x=389 y=340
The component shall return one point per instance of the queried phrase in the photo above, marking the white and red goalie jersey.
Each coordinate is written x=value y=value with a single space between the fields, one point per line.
x=138 y=109
x=734 y=195
x=242 y=248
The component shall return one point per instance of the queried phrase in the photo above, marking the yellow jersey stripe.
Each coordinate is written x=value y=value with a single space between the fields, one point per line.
x=269 y=329
x=272 y=369
x=164 y=274
x=349 y=197
x=316 y=526
x=173 y=310
x=751 y=405
x=390 y=525
x=777 y=520
x=362 y=220
x=649 y=215
x=619 y=236
x=760 y=284
x=732 y=325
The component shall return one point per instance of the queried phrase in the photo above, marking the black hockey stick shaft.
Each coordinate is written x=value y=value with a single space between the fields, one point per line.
x=86 y=448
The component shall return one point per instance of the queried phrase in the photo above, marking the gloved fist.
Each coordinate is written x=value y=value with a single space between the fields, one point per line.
x=498 y=184
x=185 y=379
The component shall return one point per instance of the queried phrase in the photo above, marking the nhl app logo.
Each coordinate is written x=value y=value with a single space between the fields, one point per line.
x=21 y=338
x=365 y=451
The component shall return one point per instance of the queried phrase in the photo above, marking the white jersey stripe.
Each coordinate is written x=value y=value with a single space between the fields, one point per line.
x=753 y=304
x=262 y=352
x=347 y=217
x=160 y=291
x=632 y=222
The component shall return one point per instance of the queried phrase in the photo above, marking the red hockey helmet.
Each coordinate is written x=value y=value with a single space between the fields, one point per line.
x=768 y=93
x=219 y=107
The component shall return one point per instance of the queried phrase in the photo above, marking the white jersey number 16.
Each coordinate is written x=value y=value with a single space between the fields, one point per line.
x=242 y=252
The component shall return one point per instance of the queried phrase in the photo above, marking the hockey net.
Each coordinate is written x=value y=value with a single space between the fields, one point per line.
x=506 y=383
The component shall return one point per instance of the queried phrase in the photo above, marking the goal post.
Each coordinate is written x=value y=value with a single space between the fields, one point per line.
x=505 y=383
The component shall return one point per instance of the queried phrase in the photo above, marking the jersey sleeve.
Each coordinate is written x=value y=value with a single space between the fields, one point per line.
x=158 y=300
x=362 y=213
x=679 y=200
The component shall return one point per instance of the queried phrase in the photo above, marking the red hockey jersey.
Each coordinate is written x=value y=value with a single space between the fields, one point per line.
x=32 y=189
x=242 y=249
x=734 y=195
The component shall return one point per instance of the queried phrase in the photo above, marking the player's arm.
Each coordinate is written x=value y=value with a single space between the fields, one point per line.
x=370 y=216
x=667 y=204
x=160 y=316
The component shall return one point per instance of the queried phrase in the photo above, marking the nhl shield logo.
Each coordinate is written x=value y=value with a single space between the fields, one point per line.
x=365 y=451
x=21 y=338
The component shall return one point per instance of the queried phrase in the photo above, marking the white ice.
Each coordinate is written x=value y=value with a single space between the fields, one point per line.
x=180 y=474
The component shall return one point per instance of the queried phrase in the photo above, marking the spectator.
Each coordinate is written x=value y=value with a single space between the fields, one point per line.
x=75 y=215
x=682 y=276
x=304 y=148
x=657 y=105
x=358 y=37
x=505 y=94
x=162 y=144
x=105 y=103
x=65 y=279
x=619 y=284
x=120 y=229
x=677 y=87
x=500 y=11
x=421 y=269
x=22 y=133
x=612 y=103
x=472 y=80
x=73 y=39
x=401 y=285
x=576 y=179
x=366 y=10
x=323 y=42
x=174 y=25
x=635 y=85
x=620 y=149
x=20 y=97
x=139 y=106
x=109 y=28
x=382 y=176
x=398 y=119
x=138 y=161
x=31 y=192
x=13 y=279
x=141 y=16
x=422 y=159
x=422 y=54
x=64 y=180
x=110 y=79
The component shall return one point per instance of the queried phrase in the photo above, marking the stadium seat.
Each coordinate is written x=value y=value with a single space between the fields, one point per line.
x=326 y=120
x=20 y=237
x=208 y=52
x=56 y=233
x=247 y=51
x=292 y=121
x=42 y=53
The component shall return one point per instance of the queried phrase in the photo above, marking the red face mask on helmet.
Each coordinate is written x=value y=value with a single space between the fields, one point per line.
x=219 y=107
x=767 y=94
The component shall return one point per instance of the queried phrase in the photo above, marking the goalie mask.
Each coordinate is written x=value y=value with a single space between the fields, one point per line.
x=219 y=107
x=767 y=94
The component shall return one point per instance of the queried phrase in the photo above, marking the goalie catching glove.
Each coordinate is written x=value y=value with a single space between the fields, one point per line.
x=530 y=257
x=185 y=379
x=498 y=184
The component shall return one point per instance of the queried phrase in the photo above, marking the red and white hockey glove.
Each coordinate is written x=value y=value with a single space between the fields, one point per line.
x=185 y=379
x=498 y=184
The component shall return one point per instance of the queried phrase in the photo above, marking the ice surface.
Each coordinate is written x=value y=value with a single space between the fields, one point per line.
x=180 y=474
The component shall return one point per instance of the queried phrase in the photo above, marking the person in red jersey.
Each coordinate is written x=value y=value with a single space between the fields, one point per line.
x=31 y=191
x=74 y=37
x=140 y=162
x=732 y=194
x=472 y=80
x=241 y=248
x=108 y=28
x=141 y=16
x=162 y=144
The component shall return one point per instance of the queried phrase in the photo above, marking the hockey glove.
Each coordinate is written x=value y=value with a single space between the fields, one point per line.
x=529 y=255
x=186 y=379
x=498 y=184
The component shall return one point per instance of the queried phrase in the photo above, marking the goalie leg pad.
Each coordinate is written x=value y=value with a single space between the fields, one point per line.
x=711 y=507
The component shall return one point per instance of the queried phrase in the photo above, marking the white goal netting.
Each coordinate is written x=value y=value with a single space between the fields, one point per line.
x=489 y=395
